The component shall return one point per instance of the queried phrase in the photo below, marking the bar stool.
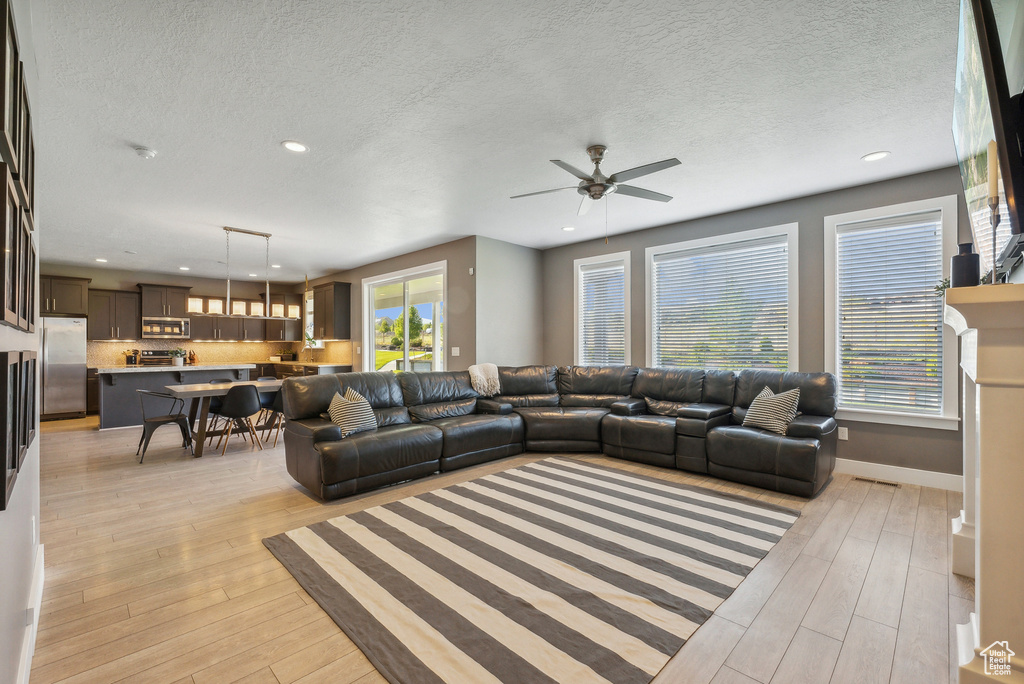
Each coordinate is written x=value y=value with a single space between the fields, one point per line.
x=150 y=423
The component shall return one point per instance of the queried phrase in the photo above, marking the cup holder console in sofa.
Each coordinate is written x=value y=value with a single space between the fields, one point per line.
x=682 y=418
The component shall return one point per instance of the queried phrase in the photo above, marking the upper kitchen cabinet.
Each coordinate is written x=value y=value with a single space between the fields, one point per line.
x=164 y=300
x=331 y=311
x=59 y=296
x=113 y=315
x=285 y=324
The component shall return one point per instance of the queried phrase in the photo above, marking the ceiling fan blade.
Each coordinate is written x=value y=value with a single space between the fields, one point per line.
x=542 y=192
x=630 y=174
x=572 y=169
x=584 y=205
x=634 y=191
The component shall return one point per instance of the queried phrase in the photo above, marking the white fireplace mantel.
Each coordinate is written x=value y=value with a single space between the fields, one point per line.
x=990 y=323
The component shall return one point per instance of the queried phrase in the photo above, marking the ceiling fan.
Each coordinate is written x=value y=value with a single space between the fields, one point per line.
x=596 y=185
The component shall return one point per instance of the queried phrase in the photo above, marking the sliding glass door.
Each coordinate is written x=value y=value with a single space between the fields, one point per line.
x=405 y=320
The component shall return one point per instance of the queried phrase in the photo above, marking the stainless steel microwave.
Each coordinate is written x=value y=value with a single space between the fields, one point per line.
x=165 y=328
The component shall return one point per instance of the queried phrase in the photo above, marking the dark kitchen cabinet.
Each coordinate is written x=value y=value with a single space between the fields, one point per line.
x=279 y=329
x=284 y=330
x=331 y=306
x=218 y=328
x=92 y=391
x=201 y=327
x=161 y=300
x=253 y=329
x=113 y=315
x=228 y=328
x=59 y=296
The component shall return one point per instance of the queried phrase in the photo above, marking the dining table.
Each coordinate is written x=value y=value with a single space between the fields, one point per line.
x=200 y=395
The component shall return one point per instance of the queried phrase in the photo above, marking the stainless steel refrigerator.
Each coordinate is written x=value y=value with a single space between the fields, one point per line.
x=63 y=366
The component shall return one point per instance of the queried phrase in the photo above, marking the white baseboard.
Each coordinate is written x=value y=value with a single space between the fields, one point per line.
x=35 y=603
x=878 y=471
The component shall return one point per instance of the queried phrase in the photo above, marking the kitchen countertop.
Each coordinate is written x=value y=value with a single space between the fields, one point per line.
x=159 y=369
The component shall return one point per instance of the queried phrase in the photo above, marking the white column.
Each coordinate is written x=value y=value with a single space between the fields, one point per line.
x=990 y=322
x=963 y=526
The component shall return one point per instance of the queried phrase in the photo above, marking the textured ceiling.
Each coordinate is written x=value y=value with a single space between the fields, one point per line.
x=423 y=117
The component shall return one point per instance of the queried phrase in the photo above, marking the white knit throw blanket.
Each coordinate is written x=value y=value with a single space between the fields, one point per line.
x=484 y=377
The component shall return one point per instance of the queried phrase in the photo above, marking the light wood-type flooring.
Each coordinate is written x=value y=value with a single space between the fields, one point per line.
x=156 y=573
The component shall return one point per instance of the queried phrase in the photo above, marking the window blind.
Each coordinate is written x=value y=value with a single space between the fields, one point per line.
x=601 y=313
x=888 y=318
x=722 y=307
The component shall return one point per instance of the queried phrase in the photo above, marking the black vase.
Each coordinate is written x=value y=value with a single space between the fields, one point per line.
x=965 y=267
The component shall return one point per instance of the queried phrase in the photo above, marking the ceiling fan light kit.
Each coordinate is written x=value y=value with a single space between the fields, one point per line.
x=596 y=185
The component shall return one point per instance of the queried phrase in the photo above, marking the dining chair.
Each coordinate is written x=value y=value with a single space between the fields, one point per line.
x=215 y=404
x=239 y=405
x=150 y=422
x=276 y=419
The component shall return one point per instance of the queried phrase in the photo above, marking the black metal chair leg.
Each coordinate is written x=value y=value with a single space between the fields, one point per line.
x=148 y=435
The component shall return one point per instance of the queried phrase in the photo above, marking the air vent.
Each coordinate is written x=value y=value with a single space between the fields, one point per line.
x=881 y=482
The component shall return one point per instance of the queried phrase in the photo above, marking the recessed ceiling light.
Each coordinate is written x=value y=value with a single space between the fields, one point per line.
x=129 y=251
x=294 y=146
x=102 y=261
x=875 y=156
x=253 y=275
x=568 y=229
x=275 y=266
x=145 y=152
x=183 y=268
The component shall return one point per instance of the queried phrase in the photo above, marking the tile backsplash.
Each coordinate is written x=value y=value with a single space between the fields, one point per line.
x=106 y=354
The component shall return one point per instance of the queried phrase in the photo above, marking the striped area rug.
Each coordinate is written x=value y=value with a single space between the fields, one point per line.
x=557 y=571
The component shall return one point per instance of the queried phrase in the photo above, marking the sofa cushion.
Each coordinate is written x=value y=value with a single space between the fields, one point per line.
x=663 y=408
x=647 y=433
x=435 y=387
x=760 y=451
x=380 y=451
x=466 y=434
x=383 y=393
x=351 y=413
x=772 y=411
x=563 y=424
x=447 y=409
x=679 y=385
x=596 y=380
x=527 y=380
x=308 y=397
x=584 y=400
x=719 y=387
x=817 y=390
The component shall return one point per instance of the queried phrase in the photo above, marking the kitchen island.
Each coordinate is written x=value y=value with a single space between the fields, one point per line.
x=119 y=401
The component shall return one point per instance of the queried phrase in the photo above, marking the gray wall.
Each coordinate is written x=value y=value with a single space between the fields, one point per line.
x=19 y=523
x=925 y=449
x=509 y=305
x=460 y=316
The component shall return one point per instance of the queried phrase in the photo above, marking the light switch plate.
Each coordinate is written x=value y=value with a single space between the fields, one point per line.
x=844 y=433
x=455 y=351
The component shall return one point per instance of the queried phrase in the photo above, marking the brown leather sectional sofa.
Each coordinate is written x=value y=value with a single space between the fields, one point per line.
x=682 y=418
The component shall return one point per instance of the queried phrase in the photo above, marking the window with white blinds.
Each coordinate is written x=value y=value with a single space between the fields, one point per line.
x=887 y=347
x=602 y=310
x=724 y=303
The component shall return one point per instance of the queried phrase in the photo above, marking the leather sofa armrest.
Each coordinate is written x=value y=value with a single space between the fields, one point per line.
x=816 y=427
x=699 y=427
x=492 y=406
x=703 y=411
x=633 y=406
x=316 y=429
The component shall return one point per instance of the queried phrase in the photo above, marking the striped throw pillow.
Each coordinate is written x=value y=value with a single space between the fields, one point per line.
x=352 y=413
x=773 y=411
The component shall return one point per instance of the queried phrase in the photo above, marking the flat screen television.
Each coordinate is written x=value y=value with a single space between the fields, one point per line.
x=987 y=107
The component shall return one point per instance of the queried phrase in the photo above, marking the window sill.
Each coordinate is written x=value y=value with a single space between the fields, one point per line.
x=892 y=418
